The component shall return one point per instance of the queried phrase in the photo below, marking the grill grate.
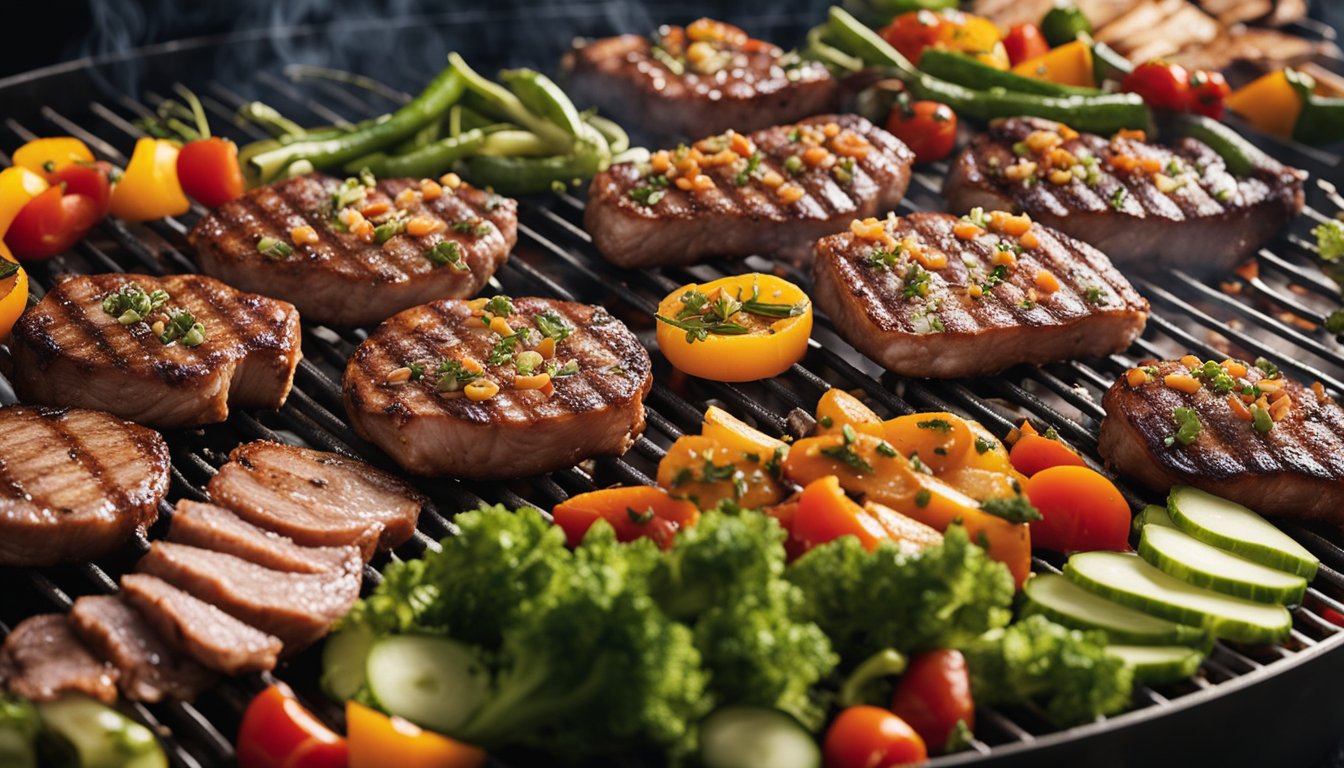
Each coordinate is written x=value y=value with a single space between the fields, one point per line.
x=1276 y=313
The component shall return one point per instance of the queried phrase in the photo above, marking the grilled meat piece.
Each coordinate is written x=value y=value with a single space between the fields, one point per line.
x=210 y=636
x=734 y=82
x=1296 y=469
x=298 y=608
x=216 y=528
x=75 y=484
x=586 y=400
x=345 y=279
x=1166 y=210
x=150 y=670
x=69 y=350
x=638 y=217
x=42 y=659
x=922 y=301
x=315 y=498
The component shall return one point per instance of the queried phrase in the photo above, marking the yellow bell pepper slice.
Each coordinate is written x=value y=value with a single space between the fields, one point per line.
x=18 y=185
x=702 y=470
x=1270 y=103
x=1069 y=64
x=13 y=293
x=837 y=408
x=149 y=188
x=49 y=155
x=940 y=439
x=376 y=740
x=732 y=432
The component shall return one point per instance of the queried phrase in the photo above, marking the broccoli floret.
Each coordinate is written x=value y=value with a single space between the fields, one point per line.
x=871 y=601
x=722 y=554
x=1066 y=672
x=1330 y=240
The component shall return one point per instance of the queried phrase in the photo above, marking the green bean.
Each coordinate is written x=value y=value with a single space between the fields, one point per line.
x=425 y=162
x=493 y=97
x=531 y=175
x=617 y=139
x=1239 y=155
x=514 y=143
x=543 y=97
x=832 y=57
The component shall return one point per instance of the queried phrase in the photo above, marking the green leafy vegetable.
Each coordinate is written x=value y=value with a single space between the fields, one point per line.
x=1330 y=239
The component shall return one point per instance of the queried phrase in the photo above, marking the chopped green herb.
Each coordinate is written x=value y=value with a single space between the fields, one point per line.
x=881 y=258
x=1270 y=370
x=350 y=193
x=558 y=371
x=916 y=282
x=745 y=175
x=504 y=348
x=183 y=328
x=1021 y=149
x=1261 y=420
x=1026 y=303
x=699 y=317
x=389 y=229
x=1095 y=294
x=447 y=252
x=683 y=476
x=982 y=445
x=978 y=217
x=825 y=421
x=795 y=135
x=922 y=497
x=417 y=370
x=1118 y=198
x=1015 y=509
x=937 y=425
x=1330 y=239
x=274 y=248
x=367 y=178
x=131 y=304
x=552 y=326
x=8 y=269
x=887 y=450
x=478 y=228
x=1188 y=427
x=1218 y=378
x=498 y=306
x=843 y=171
x=846 y=454
x=640 y=518
x=453 y=376
x=649 y=194
x=775 y=464
x=995 y=279
x=918 y=465
x=528 y=361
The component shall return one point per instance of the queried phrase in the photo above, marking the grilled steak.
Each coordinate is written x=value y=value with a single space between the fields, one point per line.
x=704 y=78
x=42 y=659
x=1142 y=204
x=79 y=347
x=315 y=498
x=1295 y=469
x=347 y=275
x=564 y=382
x=210 y=636
x=211 y=527
x=74 y=484
x=935 y=296
x=150 y=670
x=773 y=193
x=298 y=608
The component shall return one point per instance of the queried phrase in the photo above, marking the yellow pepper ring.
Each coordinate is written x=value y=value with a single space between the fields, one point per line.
x=13 y=296
x=769 y=347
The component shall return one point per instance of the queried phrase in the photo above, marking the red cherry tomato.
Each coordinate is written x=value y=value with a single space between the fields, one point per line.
x=933 y=695
x=1025 y=41
x=871 y=737
x=58 y=218
x=911 y=33
x=277 y=732
x=208 y=171
x=1080 y=511
x=1208 y=91
x=1032 y=453
x=1162 y=85
x=928 y=128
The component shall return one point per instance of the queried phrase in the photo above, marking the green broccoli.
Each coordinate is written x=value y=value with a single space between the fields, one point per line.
x=1038 y=662
x=1330 y=240
x=721 y=556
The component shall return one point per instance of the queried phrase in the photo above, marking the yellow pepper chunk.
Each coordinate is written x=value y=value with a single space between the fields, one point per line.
x=1270 y=103
x=149 y=188
x=1069 y=64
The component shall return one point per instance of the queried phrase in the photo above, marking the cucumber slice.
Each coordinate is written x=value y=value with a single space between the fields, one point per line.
x=756 y=737
x=1129 y=580
x=1231 y=526
x=80 y=731
x=1204 y=565
x=344 y=661
x=1158 y=664
x=1152 y=515
x=431 y=681
x=1062 y=601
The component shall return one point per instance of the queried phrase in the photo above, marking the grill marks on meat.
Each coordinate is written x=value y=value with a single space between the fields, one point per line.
x=209 y=635
x=622 y=77
x=149 y=670
x=597 y=411
x=735 y=221
x=1296 y=469
x=315 y=498
x=75 y=484
x=1210 y=222
x=218 y=529
x=881 y=311
x=68 y=351
x=42 y=658
x=343 y=280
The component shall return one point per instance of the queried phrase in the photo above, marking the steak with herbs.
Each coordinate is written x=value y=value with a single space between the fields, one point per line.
x=1144 y=205
x=42 y=659
x=423 y=241
x=207 y=634
x=499 y=388
x=175 y=351
x=150 y=671
x=772 y=192
x=930 y=295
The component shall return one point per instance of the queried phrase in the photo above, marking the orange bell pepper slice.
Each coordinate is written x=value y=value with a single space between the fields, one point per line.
x=376 y=740
x=1069 y=64
x=13 y=292
x=825 y=513
x=18 y=186
x=637 y=511
x=706 y=472
x=940 y=439
x=1033 y=453
x=1270 y=103
x=836 y=408
x=149 y=188
x=732 y=432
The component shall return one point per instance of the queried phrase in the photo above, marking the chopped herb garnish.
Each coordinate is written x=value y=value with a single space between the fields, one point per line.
x=982 y=445
x=887 y=450
x=1118 y=198
x=350 y=193
x=881 y=258
x=552 y=326
x=683 y=476
x=793 y=164
x=918 y=465
x=1260 y=419
x=1095 y=294
x=478 y=228
x=649 y=194
x=846 y=454
x=795 y=135
x=995 y=279
x=843 y=171
x=453 y=376
x=1014 y=509
x=389 y=229
x=775 y=464
x=745 y=175
x=182 y=328
x=1270 y=370
x=447 y=252
x=699 y=316
x=498 y=306
x=1188 y=427
x=8 y=269
x=825 y=421
x=640 y=518
x=528 y=361
x=131 y=304
x=367 y=178
x=978 y=217
x=922 y=497
x=1020 y=149
x=417 y=370
x=1027 y=303
x=916 y=282
x=1218 y=378
x=937 y=425
x=558 y=371
x=504 y=348
x=274 y=247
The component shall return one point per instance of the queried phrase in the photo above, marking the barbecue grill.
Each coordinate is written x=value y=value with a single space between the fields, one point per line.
x=1276 y=705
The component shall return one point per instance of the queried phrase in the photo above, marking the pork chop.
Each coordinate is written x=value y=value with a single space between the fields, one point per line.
x=498 y=388
x=149 y=670
x=934 y=296
x=773 y=192
x=176 y=351
x=424 y=241
x=210 y=636
x=216 y=528
x=42 y=659
x=75 y=484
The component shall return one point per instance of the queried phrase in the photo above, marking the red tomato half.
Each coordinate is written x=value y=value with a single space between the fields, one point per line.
x=911 y=33
x=58 y=218
x=1025 y=41
x=928 y=128
x=871 y=737
x=277 y=732
x=208 y=171
x=1162 y=85
x=933 y=694
x=1208 y=91
x=1080 y=511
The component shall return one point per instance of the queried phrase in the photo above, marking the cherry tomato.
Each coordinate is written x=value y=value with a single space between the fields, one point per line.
x=208 y=171
x=1080 y=510
x=1162 y=85
x=1208 y=92
x=871 y=737
x=58 y=218
x=933 y=695
x=1033 y=453
x=1025 y=41
x=910 y=33
x=928 y=128
x=277 y=732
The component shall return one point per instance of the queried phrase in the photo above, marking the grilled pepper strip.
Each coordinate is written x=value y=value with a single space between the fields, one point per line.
x=427 y=161
x=495 y=98
x=543 y=97
x=964 y=70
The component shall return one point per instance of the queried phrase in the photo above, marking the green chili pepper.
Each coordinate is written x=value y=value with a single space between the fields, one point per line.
x=1063 y=23
x=543 y=97
x=426 y=162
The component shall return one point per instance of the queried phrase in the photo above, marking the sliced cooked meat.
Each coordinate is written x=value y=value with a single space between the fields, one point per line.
x=932 y=295
x=298 y=608
x=42 y=659
x=318 y=499
x=150 y=670
x=79 y=347
x=705 y=78
x=211 y=527
x=562 y=383
x=348 y=278
x=1294 y=469
x=772 y=193
x=1141 y=204
x=210 y=636
x=75 y=484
